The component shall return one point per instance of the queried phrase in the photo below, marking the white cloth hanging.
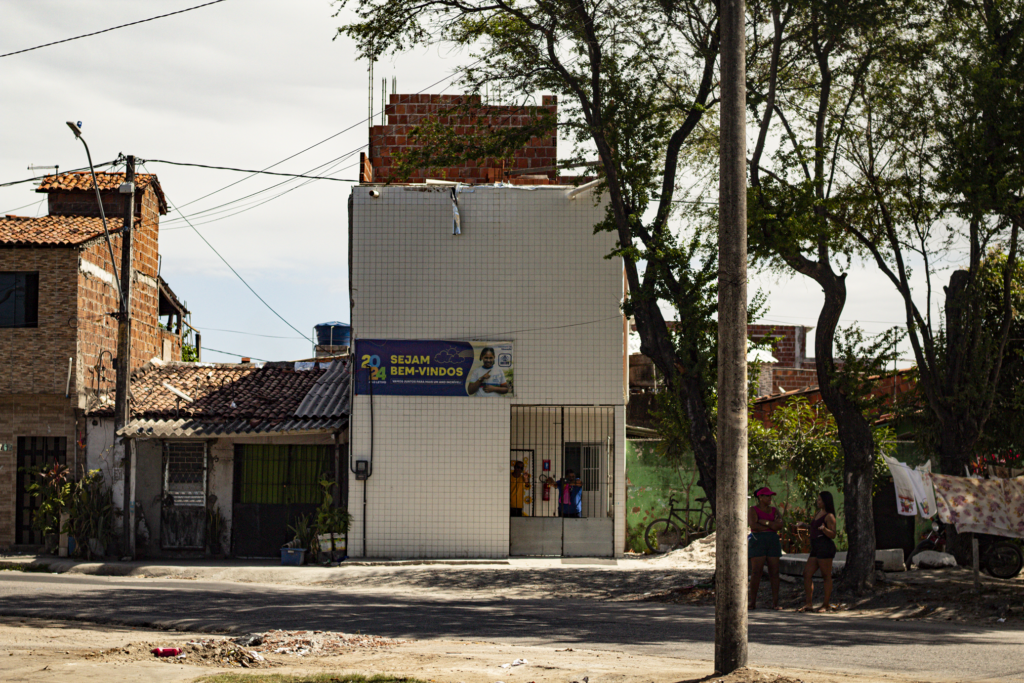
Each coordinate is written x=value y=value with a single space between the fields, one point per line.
x=906 y=501
x=924 y=492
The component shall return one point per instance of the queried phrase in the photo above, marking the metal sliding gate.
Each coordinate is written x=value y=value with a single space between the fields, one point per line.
x=183 y=507
x=273 y=486
x=555 y=443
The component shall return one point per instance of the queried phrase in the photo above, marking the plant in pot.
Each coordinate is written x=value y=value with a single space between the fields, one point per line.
x=332 y=524
x=304 y=534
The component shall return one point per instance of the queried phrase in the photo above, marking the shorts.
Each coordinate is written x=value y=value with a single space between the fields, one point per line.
x=764 y=544
x=823 y=548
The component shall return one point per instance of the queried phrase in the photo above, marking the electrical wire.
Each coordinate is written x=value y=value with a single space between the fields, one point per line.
x=243 y=170
x=249 y=334
x=50 y=175
x=107 y=30
x=231 y=268
x=228 y=353
x=327 y=139
x=8 y=211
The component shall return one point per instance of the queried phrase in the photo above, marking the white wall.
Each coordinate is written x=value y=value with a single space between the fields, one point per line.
x=527 y=268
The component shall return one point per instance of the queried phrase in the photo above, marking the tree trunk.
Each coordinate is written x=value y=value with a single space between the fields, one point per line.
x=855 y=437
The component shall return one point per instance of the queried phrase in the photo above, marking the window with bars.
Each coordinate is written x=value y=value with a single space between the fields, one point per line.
x=185 y=473
x=281 y=474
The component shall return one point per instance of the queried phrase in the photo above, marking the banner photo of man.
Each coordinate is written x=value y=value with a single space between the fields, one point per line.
x=415 y=367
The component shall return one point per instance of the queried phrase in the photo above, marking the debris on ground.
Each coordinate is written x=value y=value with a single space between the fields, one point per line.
x=255 y=650
x=518 y=662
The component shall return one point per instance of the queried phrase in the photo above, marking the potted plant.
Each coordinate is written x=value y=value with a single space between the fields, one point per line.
x=332 y=524
x=294 y=551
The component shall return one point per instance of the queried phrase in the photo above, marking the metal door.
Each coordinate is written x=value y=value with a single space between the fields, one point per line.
x=33 y=452
x=183 y=509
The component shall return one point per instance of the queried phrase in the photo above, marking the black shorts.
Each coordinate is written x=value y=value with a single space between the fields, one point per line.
x=823 y=548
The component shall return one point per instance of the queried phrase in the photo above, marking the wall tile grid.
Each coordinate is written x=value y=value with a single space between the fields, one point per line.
x=527 y=268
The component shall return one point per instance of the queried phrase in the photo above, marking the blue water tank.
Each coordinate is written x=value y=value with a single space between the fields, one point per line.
x=333 y=334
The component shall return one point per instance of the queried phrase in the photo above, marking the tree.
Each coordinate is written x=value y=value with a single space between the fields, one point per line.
x=813 y=57
x=941 y=166
x=637 y=80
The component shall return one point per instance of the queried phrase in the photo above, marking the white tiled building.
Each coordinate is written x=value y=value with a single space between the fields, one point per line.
x=526 y=268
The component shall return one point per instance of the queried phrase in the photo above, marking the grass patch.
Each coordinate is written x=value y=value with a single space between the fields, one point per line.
x=306 y=678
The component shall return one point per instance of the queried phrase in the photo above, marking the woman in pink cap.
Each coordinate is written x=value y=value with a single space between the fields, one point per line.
x=763 y=545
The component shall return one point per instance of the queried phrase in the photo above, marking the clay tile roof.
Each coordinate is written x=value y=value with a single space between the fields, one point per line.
x=53 y=230
x=81 y=181
x=220 y=392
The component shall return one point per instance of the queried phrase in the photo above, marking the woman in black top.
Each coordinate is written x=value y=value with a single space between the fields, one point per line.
x=823 y=550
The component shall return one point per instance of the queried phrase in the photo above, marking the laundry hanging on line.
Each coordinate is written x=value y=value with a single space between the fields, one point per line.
x=984 y=506
x=913 y=488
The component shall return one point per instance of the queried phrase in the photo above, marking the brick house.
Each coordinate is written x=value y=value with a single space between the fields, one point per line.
x=57 y=332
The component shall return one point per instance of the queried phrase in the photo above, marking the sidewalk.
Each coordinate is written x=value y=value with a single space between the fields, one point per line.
x=269 y=570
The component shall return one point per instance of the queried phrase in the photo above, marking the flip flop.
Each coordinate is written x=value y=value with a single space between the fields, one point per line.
x=806 y=608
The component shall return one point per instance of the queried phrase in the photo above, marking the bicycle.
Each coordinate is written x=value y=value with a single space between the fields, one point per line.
x=676 y=530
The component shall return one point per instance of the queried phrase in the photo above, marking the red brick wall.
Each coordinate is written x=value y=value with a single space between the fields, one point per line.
x=35 y=360
x=790 y=347
x=97 y=330
x=29 y=415
x=405 y=112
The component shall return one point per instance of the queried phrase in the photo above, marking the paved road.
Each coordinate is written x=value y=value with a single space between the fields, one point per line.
x=925 y=650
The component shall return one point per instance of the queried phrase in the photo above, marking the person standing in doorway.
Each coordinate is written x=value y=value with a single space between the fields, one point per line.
x=518 y=489
x=487 y=380
x=823 y=551
x=764 y=545
x=565 y=485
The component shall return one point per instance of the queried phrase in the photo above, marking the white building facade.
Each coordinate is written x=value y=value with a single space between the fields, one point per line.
x=527 y=276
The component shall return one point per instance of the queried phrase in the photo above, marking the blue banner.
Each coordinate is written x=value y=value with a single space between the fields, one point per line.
x=417 y=367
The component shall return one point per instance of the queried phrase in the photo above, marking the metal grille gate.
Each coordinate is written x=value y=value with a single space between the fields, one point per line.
x=33 y=452
x=551 y=440
x=183 y=508
x=273 y=485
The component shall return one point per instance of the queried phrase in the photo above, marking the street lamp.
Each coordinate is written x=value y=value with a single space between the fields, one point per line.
x=76 y=128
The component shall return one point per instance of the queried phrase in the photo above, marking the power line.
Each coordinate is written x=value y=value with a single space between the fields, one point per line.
x=327 y=139
x=228 y=353
x=243 y=170
x=107 y=30
x=4 y=213
x=250 y=334
x=230 y=267
x=213 y=209
x=40 y=177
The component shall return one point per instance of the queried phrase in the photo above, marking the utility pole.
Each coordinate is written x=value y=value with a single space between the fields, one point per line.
x=124 y=356
x=731 y=523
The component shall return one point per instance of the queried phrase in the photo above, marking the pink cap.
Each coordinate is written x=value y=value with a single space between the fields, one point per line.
x=764 y=491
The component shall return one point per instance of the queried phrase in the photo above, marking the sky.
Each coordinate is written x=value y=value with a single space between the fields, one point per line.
x=246 y=84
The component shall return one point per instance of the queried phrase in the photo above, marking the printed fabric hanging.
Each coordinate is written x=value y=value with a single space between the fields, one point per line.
x=984 y=506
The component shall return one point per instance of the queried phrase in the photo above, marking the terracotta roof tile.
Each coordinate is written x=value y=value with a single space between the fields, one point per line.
x=220 y=392
x=81 y=181
x=53 y=230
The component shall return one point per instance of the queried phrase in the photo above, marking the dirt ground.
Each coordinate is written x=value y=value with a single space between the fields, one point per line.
x=922 y=594
x=35 y=650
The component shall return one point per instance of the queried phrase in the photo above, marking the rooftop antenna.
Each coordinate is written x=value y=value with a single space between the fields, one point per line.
x=34 y=167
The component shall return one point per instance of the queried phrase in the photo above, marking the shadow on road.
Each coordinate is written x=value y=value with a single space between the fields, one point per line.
x=190 y=605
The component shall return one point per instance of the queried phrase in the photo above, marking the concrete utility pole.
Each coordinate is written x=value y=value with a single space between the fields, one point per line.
x=731 y=523
x=124 y=355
